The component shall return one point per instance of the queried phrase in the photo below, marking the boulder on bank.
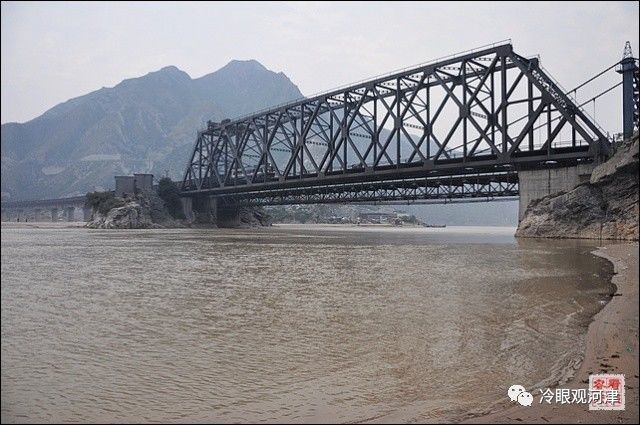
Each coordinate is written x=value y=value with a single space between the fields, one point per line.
x=606 y=207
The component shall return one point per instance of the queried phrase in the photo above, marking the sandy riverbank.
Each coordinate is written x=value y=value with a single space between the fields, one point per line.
x=612 y=347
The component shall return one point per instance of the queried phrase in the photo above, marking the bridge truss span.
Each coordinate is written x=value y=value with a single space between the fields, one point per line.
x=481 y=187
x=479 y=113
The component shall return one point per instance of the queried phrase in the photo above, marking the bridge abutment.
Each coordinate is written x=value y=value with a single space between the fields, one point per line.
x=536 y=184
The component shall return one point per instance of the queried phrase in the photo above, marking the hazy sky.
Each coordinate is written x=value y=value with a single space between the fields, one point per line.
x=55 y=51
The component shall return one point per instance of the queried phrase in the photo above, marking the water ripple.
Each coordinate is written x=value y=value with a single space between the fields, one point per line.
x=284 y=325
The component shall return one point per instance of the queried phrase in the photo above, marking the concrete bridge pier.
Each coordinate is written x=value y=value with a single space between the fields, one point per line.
x=54 y=214
x=205 y=209
x=211 y=210
x=536 y=184
x=86 y=213
x=228 y=214
x=207 y=206
x=69 y=213
x=37 y=214
x=187 y=209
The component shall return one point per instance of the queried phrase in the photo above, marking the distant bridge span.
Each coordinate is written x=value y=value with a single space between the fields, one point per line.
x=462 y=127
x=67 y=209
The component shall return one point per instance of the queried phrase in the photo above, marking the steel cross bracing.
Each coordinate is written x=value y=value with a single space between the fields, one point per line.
x=479 y=113
x=479 y=187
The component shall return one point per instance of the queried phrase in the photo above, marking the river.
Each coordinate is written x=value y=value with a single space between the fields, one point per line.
x=286 y=324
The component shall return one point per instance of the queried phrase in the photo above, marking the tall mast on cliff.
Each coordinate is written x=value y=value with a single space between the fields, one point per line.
x=628 y=67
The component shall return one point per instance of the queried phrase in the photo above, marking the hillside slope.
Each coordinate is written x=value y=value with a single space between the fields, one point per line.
x=145 y=124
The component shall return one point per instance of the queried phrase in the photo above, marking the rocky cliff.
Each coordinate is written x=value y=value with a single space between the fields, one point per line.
x=606 y=207
x=142 y=211
x=132 y=215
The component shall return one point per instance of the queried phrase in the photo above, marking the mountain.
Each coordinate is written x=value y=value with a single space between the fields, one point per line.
x=145 y=124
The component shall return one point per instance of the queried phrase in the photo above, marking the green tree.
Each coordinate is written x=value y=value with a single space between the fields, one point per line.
x=170 y=195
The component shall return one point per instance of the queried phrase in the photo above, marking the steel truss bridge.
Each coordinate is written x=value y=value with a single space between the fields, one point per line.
x=456 y=128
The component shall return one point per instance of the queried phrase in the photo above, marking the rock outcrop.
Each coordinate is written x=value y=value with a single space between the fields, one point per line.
x=134 y=214
x=606 y=207
x=254 y=217
x=148 y=211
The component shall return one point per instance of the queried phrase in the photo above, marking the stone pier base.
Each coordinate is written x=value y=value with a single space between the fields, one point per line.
x=211 y=210
x=536 y=184
x=86 y=214
x=69 y=213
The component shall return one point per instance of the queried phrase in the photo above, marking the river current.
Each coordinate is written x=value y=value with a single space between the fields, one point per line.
x=286 y=324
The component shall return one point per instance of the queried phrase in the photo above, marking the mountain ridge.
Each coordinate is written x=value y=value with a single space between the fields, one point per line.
x=142 y=124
